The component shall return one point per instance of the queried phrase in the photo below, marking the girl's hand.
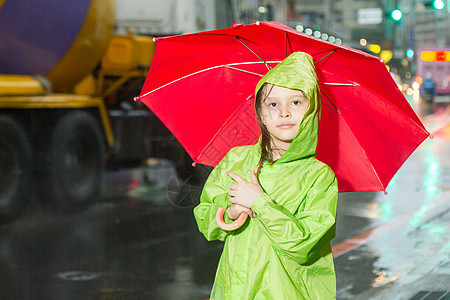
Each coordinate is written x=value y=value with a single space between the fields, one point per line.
x=235 y=210
x=244 y=193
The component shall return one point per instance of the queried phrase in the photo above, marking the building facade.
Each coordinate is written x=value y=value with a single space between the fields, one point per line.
x=334 y=17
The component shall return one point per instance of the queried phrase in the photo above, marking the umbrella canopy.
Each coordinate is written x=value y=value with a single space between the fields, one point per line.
x=201 y=86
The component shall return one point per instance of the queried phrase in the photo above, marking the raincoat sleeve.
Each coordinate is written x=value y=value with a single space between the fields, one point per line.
x=300 y=235
x=214 y=195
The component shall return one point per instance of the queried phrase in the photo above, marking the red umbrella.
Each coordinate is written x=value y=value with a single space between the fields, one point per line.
x=201 y=86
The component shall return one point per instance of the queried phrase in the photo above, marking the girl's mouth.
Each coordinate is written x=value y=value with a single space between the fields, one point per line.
x=285 y=126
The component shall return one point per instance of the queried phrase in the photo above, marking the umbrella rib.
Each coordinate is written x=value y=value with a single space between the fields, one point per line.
x=394 y=106
x=387 y=101
x=178 y=79
x=335 y=108
x=339 y=84
x=286 y=42
x=186 y=76
x=267 y=65
x=376 y=173
x=352 y=82
x=244 y=71
x=209 y=69
x=222 y=127
x=332 y=51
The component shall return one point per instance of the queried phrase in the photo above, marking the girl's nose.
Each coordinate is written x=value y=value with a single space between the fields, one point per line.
x=284 y=113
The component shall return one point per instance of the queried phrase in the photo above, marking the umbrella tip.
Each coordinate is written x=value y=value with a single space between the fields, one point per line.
x=136 y=98
x=154 y=39
x=194 y=164
x=385 y=192
x=431 y=136
x=258 y=22
x=236 y=25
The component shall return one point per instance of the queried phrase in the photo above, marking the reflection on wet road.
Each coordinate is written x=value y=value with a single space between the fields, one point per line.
x=392 y=246
x=141 y=240
x=139 y=243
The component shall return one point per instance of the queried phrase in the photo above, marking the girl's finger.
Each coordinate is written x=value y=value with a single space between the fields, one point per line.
x=233 y=186
x=232 y=193
x=253 y=177
x=240 y=209
x=236 y=177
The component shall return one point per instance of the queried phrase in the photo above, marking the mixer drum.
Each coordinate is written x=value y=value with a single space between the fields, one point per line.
x=62 y=40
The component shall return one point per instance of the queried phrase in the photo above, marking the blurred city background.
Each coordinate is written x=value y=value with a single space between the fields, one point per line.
x=96 y=195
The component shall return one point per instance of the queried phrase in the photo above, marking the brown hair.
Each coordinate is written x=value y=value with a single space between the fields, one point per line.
x=266 y=146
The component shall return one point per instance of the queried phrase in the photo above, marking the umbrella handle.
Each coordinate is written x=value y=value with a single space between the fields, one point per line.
x=229 y=226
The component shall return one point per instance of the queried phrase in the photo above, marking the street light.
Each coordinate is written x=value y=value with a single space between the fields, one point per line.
x=299 y=28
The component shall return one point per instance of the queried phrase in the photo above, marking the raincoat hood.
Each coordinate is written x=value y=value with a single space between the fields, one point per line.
x=297 y=71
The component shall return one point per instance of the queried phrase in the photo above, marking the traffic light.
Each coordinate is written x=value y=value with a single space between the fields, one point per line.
x=438 y=4
x=409 y=54
x=396 y=15
x=435 y=4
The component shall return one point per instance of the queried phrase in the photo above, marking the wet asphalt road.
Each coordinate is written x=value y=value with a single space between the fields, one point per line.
x=141 y=242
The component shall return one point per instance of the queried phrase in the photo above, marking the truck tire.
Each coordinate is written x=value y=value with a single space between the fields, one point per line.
x=76 y=152
x=15 y=167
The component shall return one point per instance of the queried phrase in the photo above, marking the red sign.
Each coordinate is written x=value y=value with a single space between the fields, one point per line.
x=440 y=55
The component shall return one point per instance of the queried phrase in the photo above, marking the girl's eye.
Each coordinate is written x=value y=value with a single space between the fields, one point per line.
x=272 y=105
x=296 y=102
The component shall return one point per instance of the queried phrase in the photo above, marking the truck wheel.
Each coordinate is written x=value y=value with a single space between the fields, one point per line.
x=76 y=152
x=15 y=167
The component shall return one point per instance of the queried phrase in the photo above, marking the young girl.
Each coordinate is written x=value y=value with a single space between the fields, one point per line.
x=283 y=250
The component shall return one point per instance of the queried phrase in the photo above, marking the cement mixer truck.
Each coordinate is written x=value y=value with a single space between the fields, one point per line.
x=67 y=82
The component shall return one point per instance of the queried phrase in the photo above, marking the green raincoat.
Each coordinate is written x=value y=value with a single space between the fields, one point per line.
x=284 y=252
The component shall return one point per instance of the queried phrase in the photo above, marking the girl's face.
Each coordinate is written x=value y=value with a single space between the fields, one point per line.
x=282 y=112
